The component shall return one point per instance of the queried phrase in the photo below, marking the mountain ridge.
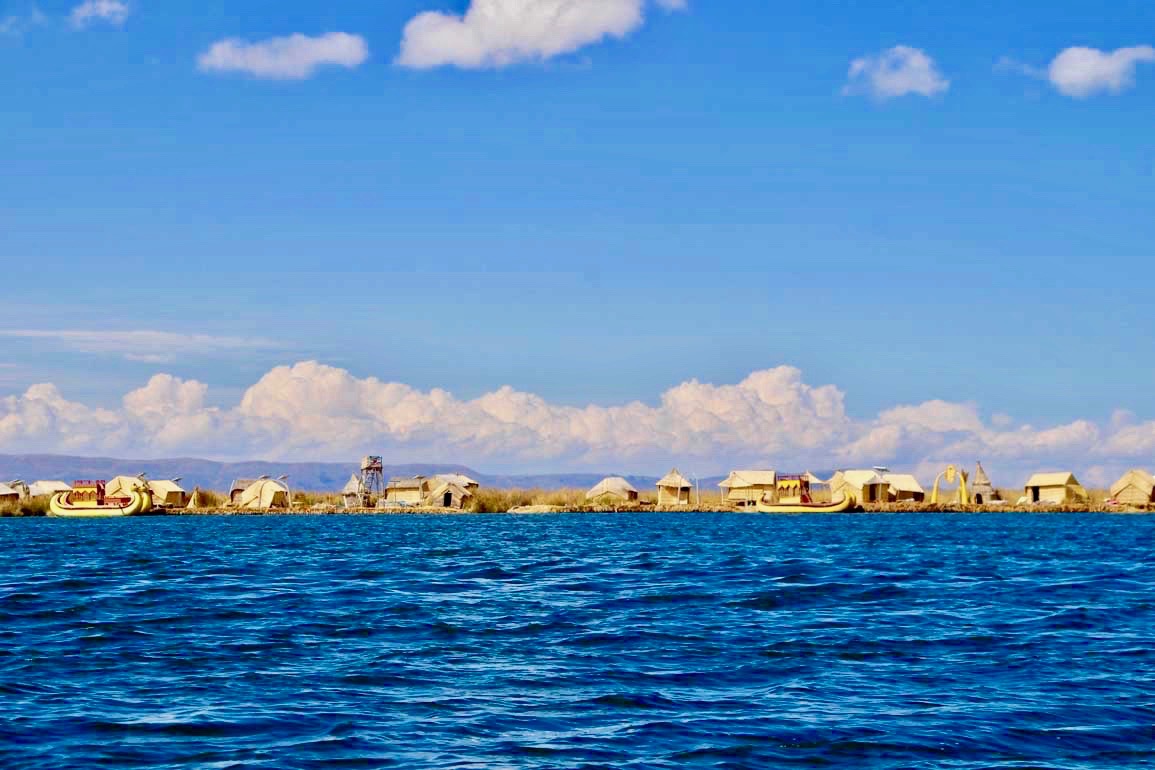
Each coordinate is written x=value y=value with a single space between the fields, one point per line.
x=307 y=477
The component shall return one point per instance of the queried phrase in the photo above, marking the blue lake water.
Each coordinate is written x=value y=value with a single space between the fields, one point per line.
x=579 y=641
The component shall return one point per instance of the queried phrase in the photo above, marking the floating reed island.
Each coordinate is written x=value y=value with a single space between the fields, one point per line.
x=367 y=491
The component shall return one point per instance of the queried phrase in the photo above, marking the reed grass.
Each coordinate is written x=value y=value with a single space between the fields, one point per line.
x=32 y=506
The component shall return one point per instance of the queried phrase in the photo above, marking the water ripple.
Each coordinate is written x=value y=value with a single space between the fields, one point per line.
x=626 y=641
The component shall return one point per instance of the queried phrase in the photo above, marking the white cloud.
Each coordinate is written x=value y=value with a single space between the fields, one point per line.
x=113 y=12
x=141 y=345
x=896 y=72
x=15 y=25
x=1082 y=72
x=498 y=33
x=295 y=57
x=773 y=418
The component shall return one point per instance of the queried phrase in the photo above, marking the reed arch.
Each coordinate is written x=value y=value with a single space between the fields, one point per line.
x=951 y=474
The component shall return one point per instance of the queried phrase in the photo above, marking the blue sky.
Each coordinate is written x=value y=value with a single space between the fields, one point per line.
x=704 y=196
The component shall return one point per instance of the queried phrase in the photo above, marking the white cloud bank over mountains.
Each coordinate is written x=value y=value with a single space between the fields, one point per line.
x=310 y=411
x=497 y=33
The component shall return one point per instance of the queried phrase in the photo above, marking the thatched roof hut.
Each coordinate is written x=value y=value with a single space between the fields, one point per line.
x=460 y=479
x=674 y=489
x=351 y=492
x=864 y=486
x=903 y=487
x=166 y=493
x=612 y=489
x=1060 y=488
x=746 y=488
x=982 y=491
x=8 y=495
x=47 y=488
x=238 y=487
x=407 y=491
x=448 y=495
x=1136 y=487
x=264 y=495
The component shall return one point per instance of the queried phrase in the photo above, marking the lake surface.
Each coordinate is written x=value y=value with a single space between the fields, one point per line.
x=579 y=641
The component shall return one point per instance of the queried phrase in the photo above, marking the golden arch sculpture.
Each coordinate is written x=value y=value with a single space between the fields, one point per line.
x=961 y=495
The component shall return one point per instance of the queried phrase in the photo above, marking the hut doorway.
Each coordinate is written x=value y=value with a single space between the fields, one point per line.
x=978 y=499
x=447 y=500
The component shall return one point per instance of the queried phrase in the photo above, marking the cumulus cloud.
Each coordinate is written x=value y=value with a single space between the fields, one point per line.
x=148 y=346
x=498 y=33
x=112 y=12
x=896 y=72
x=295 y=57
x=1082 y=72
x=16 y=24
x=772 y=418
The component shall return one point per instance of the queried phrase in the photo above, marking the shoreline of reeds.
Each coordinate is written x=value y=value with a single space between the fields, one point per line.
x=572 y=501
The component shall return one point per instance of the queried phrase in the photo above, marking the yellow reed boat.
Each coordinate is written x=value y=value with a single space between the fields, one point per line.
x=798 y=493
x=87 y=500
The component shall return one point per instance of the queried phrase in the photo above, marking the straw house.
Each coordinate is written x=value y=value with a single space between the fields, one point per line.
x=264 y=494
x=166 y=493
x=195 y=502
x=746 y=488
x=904 y=488
x=21 y=488
x=460 y=479
x=982 y=491
x=1136 y=487
x=612 y=489
x=864 y=486
x=351 y=492
x=674 y=489
x=237 y=489
x=1060 y=488
x=448 y=495
x=47 y=488
x=123 y=486
x=8 y=495
x=407 y=491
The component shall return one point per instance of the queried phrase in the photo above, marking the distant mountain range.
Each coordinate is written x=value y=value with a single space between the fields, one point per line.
x=310 y=477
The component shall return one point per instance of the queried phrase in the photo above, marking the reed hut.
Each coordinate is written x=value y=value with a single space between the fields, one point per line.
x=982 y=491
x=47 y=488
x=1060 y=488
x=460 y=479
x=612 y=490
x=21 y=488
x=449 y=495
x=8 y=495
x=351 y=492
x=407 y=491
x=903 y=488
x=123 y=486
x=745 y=488
x=1136 y=487
x=238 y=488
x=264 y=494
x=864 y=486
x=674 y=489
x=166 y=493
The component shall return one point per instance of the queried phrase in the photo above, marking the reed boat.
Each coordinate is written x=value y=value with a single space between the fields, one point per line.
x=87 y=500
x=800 y=493
x=838 y=506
